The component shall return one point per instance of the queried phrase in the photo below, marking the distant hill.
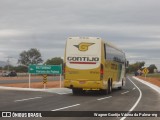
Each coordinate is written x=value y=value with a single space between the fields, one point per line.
x=2 y=63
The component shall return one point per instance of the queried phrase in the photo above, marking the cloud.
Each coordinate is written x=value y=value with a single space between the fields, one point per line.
x=10 y=33
x=132 y=25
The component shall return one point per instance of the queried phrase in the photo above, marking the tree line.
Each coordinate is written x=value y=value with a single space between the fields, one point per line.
x=32 y=56
x=140 y=66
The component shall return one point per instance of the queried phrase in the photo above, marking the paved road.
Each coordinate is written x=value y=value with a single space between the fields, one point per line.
x=135 y=96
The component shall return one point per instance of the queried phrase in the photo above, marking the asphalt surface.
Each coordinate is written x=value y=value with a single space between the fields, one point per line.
x=134 y=96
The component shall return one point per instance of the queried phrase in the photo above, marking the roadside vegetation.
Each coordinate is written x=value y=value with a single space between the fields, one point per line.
x=154 y=75
x=31 y=56
x=139 y=66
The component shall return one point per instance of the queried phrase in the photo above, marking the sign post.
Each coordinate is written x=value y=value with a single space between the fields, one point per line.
x=145 y=71
x=44 y=80
x=45 y=69
x=60 y=81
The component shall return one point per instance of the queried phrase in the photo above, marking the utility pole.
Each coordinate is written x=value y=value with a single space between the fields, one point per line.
x=8 y=60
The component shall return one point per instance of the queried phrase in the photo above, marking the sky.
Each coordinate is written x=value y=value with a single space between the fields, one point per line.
x=132 y=25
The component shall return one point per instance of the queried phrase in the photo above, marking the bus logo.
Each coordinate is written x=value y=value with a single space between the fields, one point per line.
x=83 y=46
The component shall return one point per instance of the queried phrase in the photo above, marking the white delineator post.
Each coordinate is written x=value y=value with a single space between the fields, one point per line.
x=61 y=77
x=145 y=76
x=60 y=80
x=44 y=85
x=29 y=80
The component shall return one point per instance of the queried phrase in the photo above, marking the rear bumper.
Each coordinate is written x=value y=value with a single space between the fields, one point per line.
x=86 y=85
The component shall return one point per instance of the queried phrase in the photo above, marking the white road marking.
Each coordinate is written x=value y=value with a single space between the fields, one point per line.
x=63 y=93
x=104 y=98
x=65 y=107
x=60 y=91
x=27 y=99
x=134 y=88
x=154 y=87
x=138 y=100
x=125 y=92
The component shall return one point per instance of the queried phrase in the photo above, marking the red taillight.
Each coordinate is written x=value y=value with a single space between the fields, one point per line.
x=101 y=72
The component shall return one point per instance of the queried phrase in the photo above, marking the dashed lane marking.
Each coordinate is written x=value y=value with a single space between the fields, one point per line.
x=65 y=107
x=125 y=92
x=104 y=98
x=138 y=100
x=27 y=99
x=133 y=88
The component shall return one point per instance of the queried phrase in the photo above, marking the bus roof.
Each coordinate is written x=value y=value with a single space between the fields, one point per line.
x=98 y=38
x=113 y=46
x=84 y=38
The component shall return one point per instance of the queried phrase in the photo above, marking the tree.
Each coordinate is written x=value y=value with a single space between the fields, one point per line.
x=8 y=67
x=21 y=69
x=1 y=67
x=151 y=68
x=135 y=66
x=32 y=56
x=54 y=61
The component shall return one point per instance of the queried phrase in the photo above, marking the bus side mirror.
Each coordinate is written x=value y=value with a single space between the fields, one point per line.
x=127 y=64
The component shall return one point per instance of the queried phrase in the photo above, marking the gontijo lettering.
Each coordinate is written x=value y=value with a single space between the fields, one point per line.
x=82 y=58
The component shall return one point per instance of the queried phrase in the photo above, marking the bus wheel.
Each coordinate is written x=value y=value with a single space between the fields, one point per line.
x=109 y=87
x=104 y=92
x=108 y=90
x=78 y=91
x=119 y=88
x=75 y=91
x=83 y=91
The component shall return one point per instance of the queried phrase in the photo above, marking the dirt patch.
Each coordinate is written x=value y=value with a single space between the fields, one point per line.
x=50 y=84
x=20 y=78
x=155 y=81
x=27 y=77
x=54 y=84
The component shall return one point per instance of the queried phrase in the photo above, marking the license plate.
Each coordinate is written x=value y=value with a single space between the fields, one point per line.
x=81 y=82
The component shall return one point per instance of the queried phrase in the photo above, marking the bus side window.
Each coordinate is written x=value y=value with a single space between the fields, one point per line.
x=105 y=51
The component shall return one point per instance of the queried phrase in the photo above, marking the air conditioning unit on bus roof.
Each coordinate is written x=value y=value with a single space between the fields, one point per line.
x=84 y=38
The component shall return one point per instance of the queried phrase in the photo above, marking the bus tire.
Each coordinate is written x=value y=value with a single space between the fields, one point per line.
x=109 y=87
x=104 y=91
x=120 y=88
x=75 y=91
x=78 y=91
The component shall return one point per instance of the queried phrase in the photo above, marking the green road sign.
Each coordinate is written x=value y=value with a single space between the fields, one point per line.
x=45 y=69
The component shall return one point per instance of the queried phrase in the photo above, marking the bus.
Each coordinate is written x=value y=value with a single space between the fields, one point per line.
x=90 y=63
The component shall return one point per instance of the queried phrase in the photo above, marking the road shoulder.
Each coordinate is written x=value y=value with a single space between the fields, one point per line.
x=154 y=87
